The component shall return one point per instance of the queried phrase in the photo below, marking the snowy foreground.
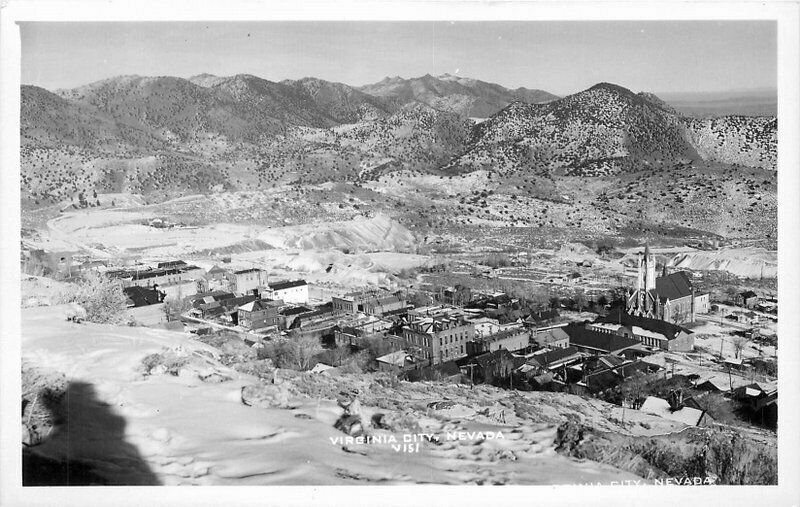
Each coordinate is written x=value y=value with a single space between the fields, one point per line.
x=183 y=430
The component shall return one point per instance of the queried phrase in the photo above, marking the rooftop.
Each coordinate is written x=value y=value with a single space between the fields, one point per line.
x=245 y=271
x=555 y=334
x=658 y=326
x=500 y=335
x=580 y=336
x=287 y=284
x=660 y=407
x=141 y=296
x=674 y=286
x=397 y=358
x=553 y=356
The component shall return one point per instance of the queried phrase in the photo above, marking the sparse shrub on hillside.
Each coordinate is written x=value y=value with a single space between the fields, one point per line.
x=408 y=273
x=41 y=391
x=174 y=307
x=101 y=297
x=496 y=260
x=297 y=352
x=168 y=361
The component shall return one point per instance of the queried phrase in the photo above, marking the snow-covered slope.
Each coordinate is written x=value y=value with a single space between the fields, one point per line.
x=180 y=429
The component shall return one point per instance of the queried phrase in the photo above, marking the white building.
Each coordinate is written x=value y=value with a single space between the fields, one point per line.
x=294 y=291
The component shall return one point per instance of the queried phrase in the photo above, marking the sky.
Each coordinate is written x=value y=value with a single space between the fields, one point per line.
x=561 y=57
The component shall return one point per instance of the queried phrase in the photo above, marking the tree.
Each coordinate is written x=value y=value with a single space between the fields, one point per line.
x=174 y=307
x=306 y=347
x=580 y=300
x=738 y=344
x=101 y=298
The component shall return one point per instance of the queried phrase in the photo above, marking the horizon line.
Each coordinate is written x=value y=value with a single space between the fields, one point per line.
x=762 y=89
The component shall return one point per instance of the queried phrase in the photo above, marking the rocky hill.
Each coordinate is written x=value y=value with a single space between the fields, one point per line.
x=741 y=140
x=51 y=121
x=165 y=136
x=602 y=130
x=341 y=102
x=608 y=129
x=465 y=96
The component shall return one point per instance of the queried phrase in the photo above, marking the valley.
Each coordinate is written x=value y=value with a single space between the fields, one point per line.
x=266 y=251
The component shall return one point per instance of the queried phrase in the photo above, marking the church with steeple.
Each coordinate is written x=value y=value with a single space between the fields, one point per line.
x=669 y=297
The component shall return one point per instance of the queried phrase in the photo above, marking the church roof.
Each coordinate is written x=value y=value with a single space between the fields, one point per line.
x=674 y=286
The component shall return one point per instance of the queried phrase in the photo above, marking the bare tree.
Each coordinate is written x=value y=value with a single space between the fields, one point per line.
x=174 y=307
x=101 y=298
x=738 y=344
x=303 y=348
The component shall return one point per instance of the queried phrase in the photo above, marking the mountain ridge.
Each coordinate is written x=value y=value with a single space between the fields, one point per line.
x=164 y=136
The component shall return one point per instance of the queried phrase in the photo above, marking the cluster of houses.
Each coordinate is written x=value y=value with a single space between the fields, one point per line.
x=468 y=344
x=752 y=301
x=465 y=337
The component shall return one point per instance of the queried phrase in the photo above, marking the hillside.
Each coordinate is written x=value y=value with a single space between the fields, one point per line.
x=742 y=140
x=468 y=97
x=152 y=407
x=51 y=121
x=341 y=102
x=603 y=130
x=608 y=129
x=603 y=161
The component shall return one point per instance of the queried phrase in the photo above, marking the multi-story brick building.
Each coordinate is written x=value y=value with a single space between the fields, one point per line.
x=438 y=338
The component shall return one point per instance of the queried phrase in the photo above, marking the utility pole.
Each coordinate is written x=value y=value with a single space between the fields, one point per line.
x=730 y=379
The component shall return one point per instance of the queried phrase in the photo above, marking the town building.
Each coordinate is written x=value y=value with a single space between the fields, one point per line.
x=352 y=302
x=687 y=415
x=510 y=339
x=384 y=305
x=160 y=277
x=485 y=326
x=669 y=297
x=440 y=337
x=145 y=306
x=653 y=333
x=458 y=295
x=291 y=291
x=553 y=337
x=448 y=372
x=395 y=362
x=553 y=359
x=142 y=296
x=172 y=264
x=491 y=367
x=180 y=289
x=748 y=299
x=247 y=281
x=540 y=318
x=222 y=306
x=290 y=313
x=349 y=332
x=260 y=314
x=596 y=342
